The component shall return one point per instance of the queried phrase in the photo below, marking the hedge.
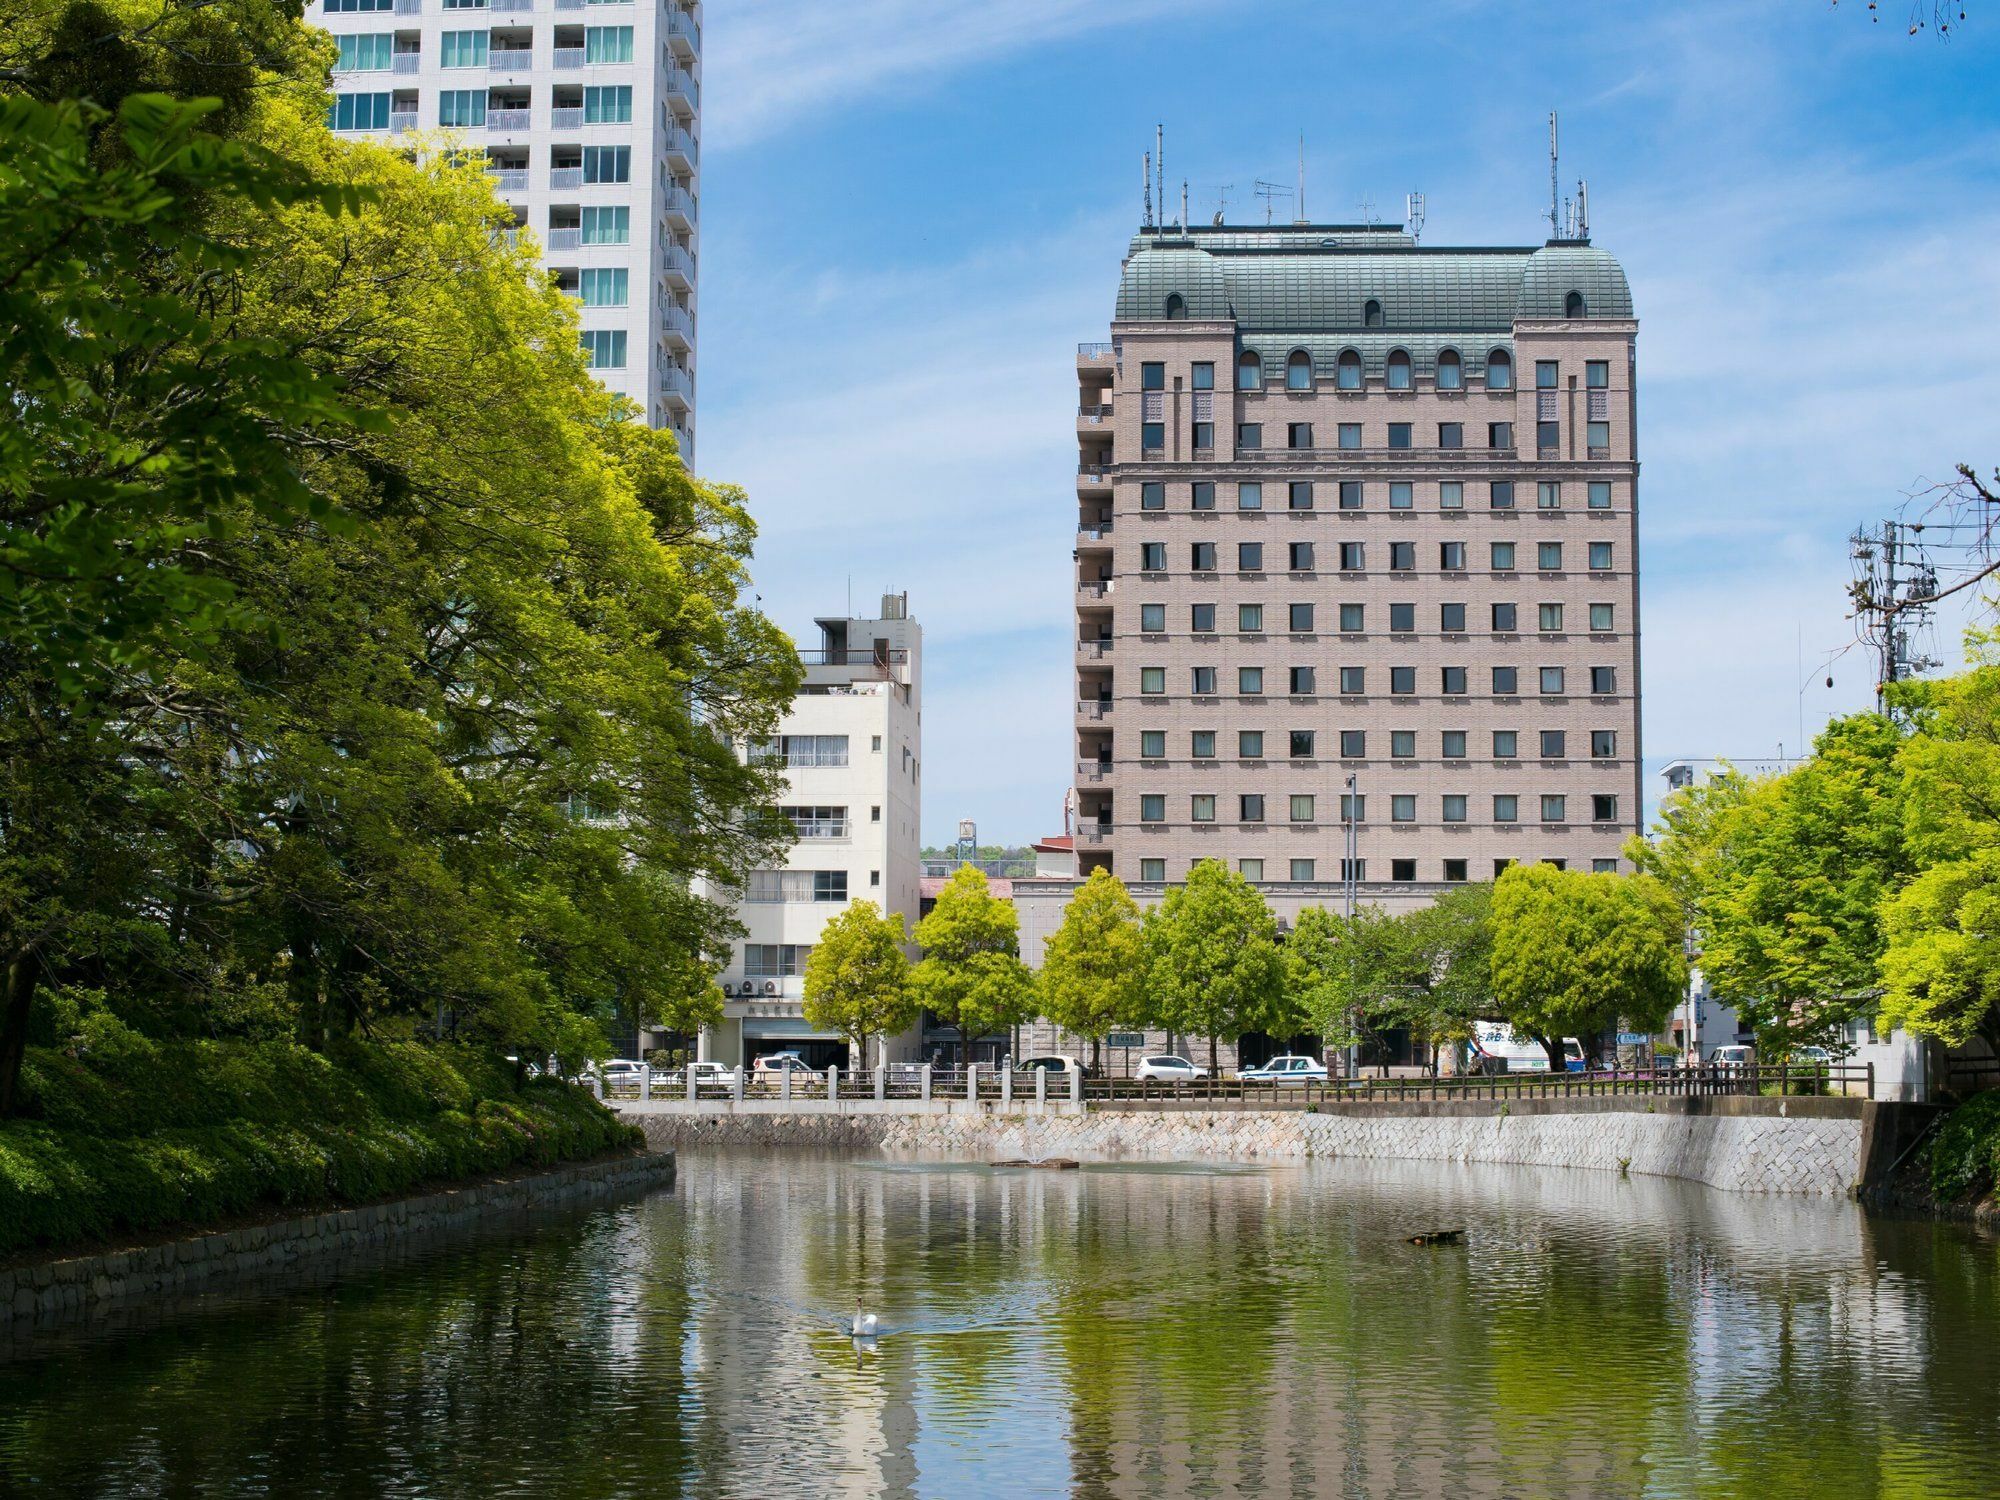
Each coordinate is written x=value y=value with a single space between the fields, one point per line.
x=130 y=1135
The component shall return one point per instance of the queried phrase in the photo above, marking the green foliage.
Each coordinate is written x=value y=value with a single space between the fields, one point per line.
x=858 y=977
x=1093 y=970
x=1213 y=968
x=130 y=1135
x=1964 y=1156
x=1343 y=973
x=1575 y=953
x=971 y=975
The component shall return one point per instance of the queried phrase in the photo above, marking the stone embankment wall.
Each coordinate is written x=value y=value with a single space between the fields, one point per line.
x=1811 y=1146
x=88 y=1283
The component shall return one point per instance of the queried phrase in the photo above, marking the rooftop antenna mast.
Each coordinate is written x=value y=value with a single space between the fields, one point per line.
x=1302 y=178
x=1222 y=202
x=1413 y=214
x=1555 y=223
x=1184 y=217
x=1148 y=221
x=1582 y=209
x=1160 y=166
x=1270 y=192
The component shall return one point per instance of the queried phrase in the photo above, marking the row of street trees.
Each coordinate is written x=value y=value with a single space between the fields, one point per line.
x=1555 y=952
x=362 y=661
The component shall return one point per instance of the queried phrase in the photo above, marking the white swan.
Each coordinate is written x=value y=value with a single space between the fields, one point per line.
x=864 y=1325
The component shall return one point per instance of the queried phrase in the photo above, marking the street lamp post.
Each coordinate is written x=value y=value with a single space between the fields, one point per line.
x=1350 y=889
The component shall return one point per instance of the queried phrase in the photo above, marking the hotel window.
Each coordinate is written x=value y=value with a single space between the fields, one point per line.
x=365 y=53
x=1250 y=744
x=1604 y=867
x=1350 y=435
x=1603 y=809
x=1250 y=807
x=1202 y=681
x=461 y=107
x=1452 y=680
x=1501 y=555
x=1249 y=557
x=604 y=348
x=1353 y=744
x=1354 y=681
x=1347 y=373
x=609 y=225
x=1201 y=375
x=1506 y=807
x=1350 y=494
x=1402 y=557
x=1152 y=557
x=1204 y=437
x=1506 y=681
x=1499 y=434
x=1249 y=371
x=1500 y=496
x=1201 y=619
x=1403 y=681
x=1454 y=871
x=1201 y=807
x=1548 y=494
x=1603 y=743
x=1401 y=494
x=1298 y=434
x=1354 y=809
x=1399 y=434
x=607 y=44
x=1603 y=680
x=1451 y=495
x=1602 y=617
x=1600 y=494
x=1302 y=557
x=1600 y=555
x=1152 y=495
x=1300 y=494
x=1399 y=371
x=462 y=49
x=1402 y=744
x=1302 y=682
x=1402 y=869
x=1597 y=438
x=1152 y=744
x=459 y=5
x=604 y=286
x=1450 y=371
x=1299 y=373
x=1499 y=371
x=1201 y=557
x=1250 y=681
x=1452 y=742
x=1504 y=616
x=1546 y=374
x=1554 y=808
x=1454 y=807
x=1500 y=867
x=1551 y=682
x=368 y=112
x=1506 y=744
x=1451 y=618
x=1152 y=436
x=1301 y=744
x=1451 y=557
x=1302 y=869
x=1250 y=869
x=1451 y=434
x=1353 y=618
x=1402 y=617
x=1549 y=556
x=1202 y=496
x=1302 y=807
x=603 y=164
x=1597 y=374
x=1300 y=618
x=1250 y=618
x=607 y=104
x=1250 y=496
x=1152 y=619
x=1548 y=437
x=1153 y=869
x=1153 y=807
x=1403 y=808
x=1152 y=679
x=1549 y=617
x=1553 y=741
x=1152 y=376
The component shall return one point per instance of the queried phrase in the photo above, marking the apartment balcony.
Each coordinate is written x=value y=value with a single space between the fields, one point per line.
x=510 y=59
x=1092 y=770
x=1091 y=591
x=406 y=62
x=402 y=120
x=1097 y=357
x=569 y=57
x=508 y=119
x=683 y=94
x=676 y=385
x=1092 y=709
x=678 y=266
x=564 y=239
x=1093 y=534
x=501 y=7
x=569 y=118
x=1093 y=652
x=409 y=7
x=678 y=207
x=1093 y=477
x=1093 y=835
x=677 y=326
x=683 y=35
x=565 y=179
x=508 y=179
x=1092 y=419
x=683 y=151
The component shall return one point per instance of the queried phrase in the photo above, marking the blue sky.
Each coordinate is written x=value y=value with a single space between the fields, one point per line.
x=914 y=209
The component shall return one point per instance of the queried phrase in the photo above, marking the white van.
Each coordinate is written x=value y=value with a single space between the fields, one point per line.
x=1496 y=1048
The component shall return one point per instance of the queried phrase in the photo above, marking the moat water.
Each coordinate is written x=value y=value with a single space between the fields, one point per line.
x=1122 y=1330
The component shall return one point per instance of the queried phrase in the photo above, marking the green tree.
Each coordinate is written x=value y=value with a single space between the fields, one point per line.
x=1450 y=943
x=1575 y=953
x=971 y=975
x=1343 y=974
x=858 y=978
x=1093 y=972
x=1212 y=962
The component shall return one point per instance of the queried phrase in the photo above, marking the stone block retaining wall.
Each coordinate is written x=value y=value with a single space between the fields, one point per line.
x=93 y=1282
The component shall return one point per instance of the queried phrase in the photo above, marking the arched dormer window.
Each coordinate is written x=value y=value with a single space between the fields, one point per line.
x=1451 y=371
x=1575 y=307
x=1371 y=314
x=1347 y=373
x=1299 y=371
x=1499 y=371
x=1399 y=370
x=1249 y=371
x=1176 y=307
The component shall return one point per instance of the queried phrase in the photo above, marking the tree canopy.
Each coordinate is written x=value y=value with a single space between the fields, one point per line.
x=971 y=975
x=1093 y=975
x=1212 y=963
x=858 y=978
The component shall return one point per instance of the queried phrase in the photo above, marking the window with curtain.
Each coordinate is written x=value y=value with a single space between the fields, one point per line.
x=605 y=348
x=605 y=286
x=366 y=53
x=607 y=104
x=607 y=44
x=359 y=112
x=610 y=225
x=462 y=49
x=462 y=107
x=607 y=163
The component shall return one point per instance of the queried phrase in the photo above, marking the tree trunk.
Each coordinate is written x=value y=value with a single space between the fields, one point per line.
x=1558 y=1063
x=23 y=974
x=1097 y=1053
x=302 y=986
x=1212 y=1070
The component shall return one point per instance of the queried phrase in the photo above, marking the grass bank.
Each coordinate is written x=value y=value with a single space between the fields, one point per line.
x=131 y=1136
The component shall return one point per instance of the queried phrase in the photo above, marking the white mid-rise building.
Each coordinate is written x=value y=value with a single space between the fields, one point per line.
x=852 y=749
x=589 y=113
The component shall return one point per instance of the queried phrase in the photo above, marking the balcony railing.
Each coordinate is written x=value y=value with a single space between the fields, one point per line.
x=1093 y=708
x=1093 y=588
x=565 y=239
x=508 y=119
x=509 y=59
x=1093 y=650
x=1094 y=531
x=1099 y=351
x=510 y=5
x=677 y=320
x=675 y=381
x=569 y=4
x=1095 y=415
x=565 y=179
x=569 y=117
x=508 y=179
x=569 y=57
x=854 y=656
x=1094 y=468
x=822 y=828
x=680 y=81
x=409 y=7
x=406 y=62
x=402 y=120
x=681 y=24
x=682 y=143
x=1092 y=770
x=677 y=201
x=675 y=258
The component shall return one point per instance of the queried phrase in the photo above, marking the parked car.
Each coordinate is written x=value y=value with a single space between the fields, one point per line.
x=1168 y=1068
x=781 y=1062
x=1810 y=1057
x=1733 y=1057
x=714 y=1074
x=1054 y=1062
x=1290 y=1069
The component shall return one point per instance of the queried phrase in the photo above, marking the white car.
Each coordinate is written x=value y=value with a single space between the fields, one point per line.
x=711 y=1073
x=1054 y=1062
x=1290 y=1069
x=1735 y=1059
x=1168 y=1069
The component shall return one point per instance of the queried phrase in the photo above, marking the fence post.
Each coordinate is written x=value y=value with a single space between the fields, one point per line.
x=1076 y=1085
x=925 y=1084
x=1871 y=1080
x=1041 y=1088
x=736 y=1084
x=597 y=1084
x=833 y=1083
x=881 y=1078
x=1007 y=1087
x=693 y=1083
x=645 y=1083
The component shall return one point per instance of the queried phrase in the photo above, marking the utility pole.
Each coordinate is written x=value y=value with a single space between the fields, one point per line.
x=1349 y=875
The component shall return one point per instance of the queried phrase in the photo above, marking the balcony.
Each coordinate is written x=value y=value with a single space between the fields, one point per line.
x=1092 y=770
x=566 y=119
x=859 y=663
x=1089 y=418
x=1094 y=834
x=1097 y=356
x=409 y=7
x=515 y=6
x=683 y=152
x=1093 y=651
x=406 y=62
x=678 y=266
x=683 y=94
x=676 y=384
x=401 y=120
x=508 y=119
x=508 y=179
x=510 y=59
x=1089 y=589
x=569 y=57
x=1093 y=531
x=682 y=34
x=1093 y=476
x=565 y=179
x=565 y=239
x=1093 y=708
x=677 y=204
x=677 y=326
x=823 y=829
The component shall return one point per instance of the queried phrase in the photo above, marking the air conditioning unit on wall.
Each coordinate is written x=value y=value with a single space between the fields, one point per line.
x=771 y=987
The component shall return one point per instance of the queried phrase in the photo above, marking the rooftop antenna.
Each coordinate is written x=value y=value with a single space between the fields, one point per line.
x=1148 y=222
x=1413 y=213
x=1160 y=166
x=1582 y=209
x=1222 y=203
x=1366 y=208
x=1555 y=225
x=1270 y=192
x=1302 y=179
x=1184 y=219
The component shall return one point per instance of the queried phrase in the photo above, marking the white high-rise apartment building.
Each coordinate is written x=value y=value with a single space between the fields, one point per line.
x=852 y=749
x=590 y=115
